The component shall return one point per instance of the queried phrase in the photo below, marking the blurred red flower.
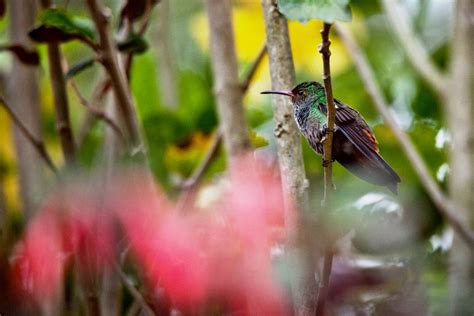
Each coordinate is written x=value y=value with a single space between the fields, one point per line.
x=220 y=255
x=38 y=261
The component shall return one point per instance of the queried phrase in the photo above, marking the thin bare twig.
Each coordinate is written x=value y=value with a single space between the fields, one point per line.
x=37 y=143
x=137 y=296
x=445 y=205
x=328 y=184
x=105 y=85
x=61 y=104
x=97 y=112
x=89 y=119
x=254 y=67
x=414 y=49
x=198 y=174
x=146 y=18
x=331 y=111
x=118 y=79
x=141 y=31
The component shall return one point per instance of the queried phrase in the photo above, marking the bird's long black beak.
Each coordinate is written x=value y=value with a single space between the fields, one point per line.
x=281 y=92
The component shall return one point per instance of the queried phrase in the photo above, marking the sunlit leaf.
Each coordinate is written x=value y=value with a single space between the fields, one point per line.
x=257 y=140
x=326 y=10
x=25 y=55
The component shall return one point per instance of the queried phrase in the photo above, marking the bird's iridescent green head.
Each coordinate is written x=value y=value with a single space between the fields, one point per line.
x=304 y=94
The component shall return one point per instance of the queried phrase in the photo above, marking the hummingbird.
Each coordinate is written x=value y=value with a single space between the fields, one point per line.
x=354 y=144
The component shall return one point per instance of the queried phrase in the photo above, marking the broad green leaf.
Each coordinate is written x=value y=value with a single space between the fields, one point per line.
x=326 y=10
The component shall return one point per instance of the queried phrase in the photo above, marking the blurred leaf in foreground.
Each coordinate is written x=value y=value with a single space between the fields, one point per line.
x=25 y=55
x=326 y=10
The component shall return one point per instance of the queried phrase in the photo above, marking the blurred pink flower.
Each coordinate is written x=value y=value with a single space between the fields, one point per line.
x=220 y=255
x=38 y=260
x=71 y=226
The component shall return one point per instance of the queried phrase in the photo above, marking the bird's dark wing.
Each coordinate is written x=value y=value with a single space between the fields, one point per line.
x=354 y=127
x=351 y=122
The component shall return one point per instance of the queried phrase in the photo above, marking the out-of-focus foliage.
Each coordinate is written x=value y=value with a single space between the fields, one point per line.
x=304 y=10
x=178 y=138
x=25 y=55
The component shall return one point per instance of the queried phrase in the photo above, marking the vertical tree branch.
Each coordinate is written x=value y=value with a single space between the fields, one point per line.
x=61 y=104
x=198 y=174
x=253 y=68
x=287 y=136
x=445 y=205
x=459 y=109
x=290 y=157
x=164 y=51
x=22 y=93
x=328 y=184
x=96 y=112
x=192 y=182
x=414 y=49
x=227 y=89
x=89 y=119
x=117 y=76
x=137 y=296
x=189 y=186
x=331 y=114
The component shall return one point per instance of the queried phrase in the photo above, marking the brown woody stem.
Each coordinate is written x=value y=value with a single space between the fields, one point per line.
x=328 y=184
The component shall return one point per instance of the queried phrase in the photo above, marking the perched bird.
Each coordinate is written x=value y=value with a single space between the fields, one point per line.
x=354 y=143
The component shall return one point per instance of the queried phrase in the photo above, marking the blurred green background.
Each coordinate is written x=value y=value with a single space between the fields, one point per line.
x=178 y=135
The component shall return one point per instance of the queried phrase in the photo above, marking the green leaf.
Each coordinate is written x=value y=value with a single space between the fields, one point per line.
x=134 y=44
x=257 y=140
x=80 y=67
x=68 y=24
x=326 y=10
x=57 y=26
